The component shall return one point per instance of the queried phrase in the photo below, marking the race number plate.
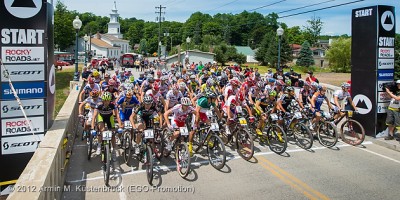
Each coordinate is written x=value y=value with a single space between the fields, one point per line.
x=350 y=113
x=274 y=117
x=239 y=109
x=107 y=135
x=184 y=131
x=149 y=134
x=127 y=124
x=298 y=115
x=214 y=127
x=327 y=115
x=243 y=121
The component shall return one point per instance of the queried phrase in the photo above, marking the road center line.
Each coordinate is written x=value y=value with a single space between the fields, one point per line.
x=228 y=158
x=294 y=179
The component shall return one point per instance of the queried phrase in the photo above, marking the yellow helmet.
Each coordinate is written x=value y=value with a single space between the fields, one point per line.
x=95 y=73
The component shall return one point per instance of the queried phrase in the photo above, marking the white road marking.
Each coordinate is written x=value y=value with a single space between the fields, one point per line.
x=169 y=168
x=380 y=155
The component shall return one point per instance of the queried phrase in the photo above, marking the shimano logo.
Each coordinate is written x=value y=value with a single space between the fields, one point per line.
x=7 y=109
x=24 y=91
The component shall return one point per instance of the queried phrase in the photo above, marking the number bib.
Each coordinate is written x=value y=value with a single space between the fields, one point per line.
x=214 y=127
x=184 y=131
x=239 y=109
x=298 y=115
x=107 y=135
x=127 y=124
x=148 y=134
x=243 y=121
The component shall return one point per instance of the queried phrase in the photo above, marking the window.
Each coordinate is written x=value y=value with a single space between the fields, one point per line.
x=111 y=52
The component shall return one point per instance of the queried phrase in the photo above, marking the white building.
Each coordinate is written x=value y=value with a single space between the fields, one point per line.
x=110 y=45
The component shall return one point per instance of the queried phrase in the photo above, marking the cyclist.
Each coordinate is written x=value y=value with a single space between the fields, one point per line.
x=316 y=102
x=304 y=93
x=164 y=86
x=203 y=105
x=146 y=111
x=91 y=85
x=104 y=113
x=193 y=84
x=92 y=101
x=263 y=103
x=126 y=104
x=96 y=76
x=173 y=97
x=342 y=100
x=285 y=100
x=181 y=112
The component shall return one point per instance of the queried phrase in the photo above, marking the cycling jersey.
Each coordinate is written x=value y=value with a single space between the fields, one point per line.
x=147 y=114
x=164 y=87
x=286 y=100
x=88 y=89
x=265 y=101
x=203 y=103
x=173 y=98
x=105 y=114
x=204 y=88
x=126 y=107
x=180 y=115
x=304 y=94
x=93 y=103
x=342 y=96
x=319 y=101
x=193 y=85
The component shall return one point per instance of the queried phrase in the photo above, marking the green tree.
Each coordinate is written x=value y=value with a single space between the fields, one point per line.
x=294 y=35
x=313 y=29
x=143 y=46
x=64 y=33
x=339 y=55
x=272 y=52
x=305 y=58
x=225 y=53
x=397 y=57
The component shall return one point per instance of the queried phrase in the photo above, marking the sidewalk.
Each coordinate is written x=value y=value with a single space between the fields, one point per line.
x=390 y=144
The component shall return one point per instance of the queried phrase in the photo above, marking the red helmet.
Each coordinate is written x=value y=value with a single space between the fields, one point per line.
x=159 y=73
x=156 y=87
x=112 y=83
x=240 y=96
x=90 y=80
x=234 y=82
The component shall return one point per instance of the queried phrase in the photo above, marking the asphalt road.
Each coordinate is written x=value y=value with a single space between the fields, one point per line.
x=343 y=172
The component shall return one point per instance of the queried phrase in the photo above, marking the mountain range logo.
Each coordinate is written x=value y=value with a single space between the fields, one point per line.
x=23 y=4
x=387 y=20
x=361 y=104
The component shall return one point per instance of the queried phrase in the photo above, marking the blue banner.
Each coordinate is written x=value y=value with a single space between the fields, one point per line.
x=25 y=90
x=385 y=74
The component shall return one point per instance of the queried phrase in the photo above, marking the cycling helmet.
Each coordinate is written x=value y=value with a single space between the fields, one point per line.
x=129 y=93
x=112 y=83
x=94 y=93
x=147 y=99
x=280 y=82
x=182 y=85
x=288 y=82
x=164 y=72
x=210 y=82
x=210 y=94
x=290 y=88
x=106 y=96
x=156 y=87
x=151 y=80
x=95 y=73
x=186 y=101
x=178 y=75
x=345 y=85
x=158 y=73
x=164 y=78
x=126 y=73
x=271 y=80
x=193 y=76
x=314 y=84
x=306 y=83
x=272 y=93
x=90 y=80
x=234 y=82
x=260 y=84
x=131 y=79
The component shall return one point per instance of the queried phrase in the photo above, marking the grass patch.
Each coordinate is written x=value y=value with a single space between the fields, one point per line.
x=63 y=79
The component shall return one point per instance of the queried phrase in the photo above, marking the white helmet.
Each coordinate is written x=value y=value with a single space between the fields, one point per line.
x=186 y=101
x=182 y=85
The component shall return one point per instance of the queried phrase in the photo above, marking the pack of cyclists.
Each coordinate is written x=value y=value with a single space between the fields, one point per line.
x=175 y=96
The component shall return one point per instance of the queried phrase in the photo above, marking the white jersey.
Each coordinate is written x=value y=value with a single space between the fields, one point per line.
x=229 y=91
x=179 y=114
x=156 y=97
x=173 y=98
x=341 y=95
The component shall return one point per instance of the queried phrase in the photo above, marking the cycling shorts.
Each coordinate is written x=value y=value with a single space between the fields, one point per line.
x=124 y=115
x=107 y=120
x=177 y=124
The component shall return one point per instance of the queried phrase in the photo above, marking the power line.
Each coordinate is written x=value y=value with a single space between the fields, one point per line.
x=222 y=5
x=267 y=5
x=305 y=6
x=324 y=8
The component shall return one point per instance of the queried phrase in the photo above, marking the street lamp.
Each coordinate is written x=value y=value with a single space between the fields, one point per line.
x=86 y=38
x=187 y=43
x=279 y=32
x=77 y=24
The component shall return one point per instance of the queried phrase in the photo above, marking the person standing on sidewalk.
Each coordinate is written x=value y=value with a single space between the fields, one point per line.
x=393 y=112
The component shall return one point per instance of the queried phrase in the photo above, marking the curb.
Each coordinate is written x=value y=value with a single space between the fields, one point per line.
x=390 y=145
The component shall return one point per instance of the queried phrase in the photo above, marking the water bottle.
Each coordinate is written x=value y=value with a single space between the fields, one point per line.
x=77 y=87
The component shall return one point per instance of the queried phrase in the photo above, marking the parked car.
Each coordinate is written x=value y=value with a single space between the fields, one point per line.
x=70 y=61
x=60 y=63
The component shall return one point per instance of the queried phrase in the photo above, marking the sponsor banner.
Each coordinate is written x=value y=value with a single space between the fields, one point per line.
x=19 y=126
x=385 y=75
x=32 y=72
x=385 y=63
x=383 y=97
x=25 y=90
x=382 y=107
x=31 y=107
x=386 y=52
x=380 y=85
x=22 y=54
x=20 y=144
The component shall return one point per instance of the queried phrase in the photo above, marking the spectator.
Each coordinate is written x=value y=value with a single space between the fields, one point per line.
x=311 y=78
x=393 y=114
x=279 y=75
x=293 y=76
x=85 y=73
x=269 y=74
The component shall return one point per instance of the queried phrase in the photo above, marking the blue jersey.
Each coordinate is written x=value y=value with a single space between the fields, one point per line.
x=319 y=101
x=125 y=107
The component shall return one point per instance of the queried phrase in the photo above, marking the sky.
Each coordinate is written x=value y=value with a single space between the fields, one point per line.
x=337 y=21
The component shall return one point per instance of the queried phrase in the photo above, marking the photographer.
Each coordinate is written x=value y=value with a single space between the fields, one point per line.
x=393 y=116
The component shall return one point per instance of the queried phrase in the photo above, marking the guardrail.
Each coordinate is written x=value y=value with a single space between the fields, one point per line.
x=44 y=176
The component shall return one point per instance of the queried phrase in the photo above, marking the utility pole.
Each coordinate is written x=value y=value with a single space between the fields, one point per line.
x=159 y=19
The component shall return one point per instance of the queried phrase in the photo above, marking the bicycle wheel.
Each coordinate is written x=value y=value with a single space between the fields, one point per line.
x=226 y=138
x=352 y=132
x=127 y=141
x=245 y=144
x=83 y=135
x=107 y=163
x=216 y=152
x=158 y=145
x=327 y=134
x=166 y=134
x=276 y=139
x=89 y=146
x=149 y=164
x=198 y=140
x=302 y=135
x=182 y=159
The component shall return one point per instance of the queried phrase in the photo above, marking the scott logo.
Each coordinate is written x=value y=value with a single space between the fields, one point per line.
x=15 y=108
x=26 y=72
x=6 y=146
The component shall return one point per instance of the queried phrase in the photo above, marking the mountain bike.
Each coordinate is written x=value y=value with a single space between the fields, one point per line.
x=106 y=155
x=351 y=131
